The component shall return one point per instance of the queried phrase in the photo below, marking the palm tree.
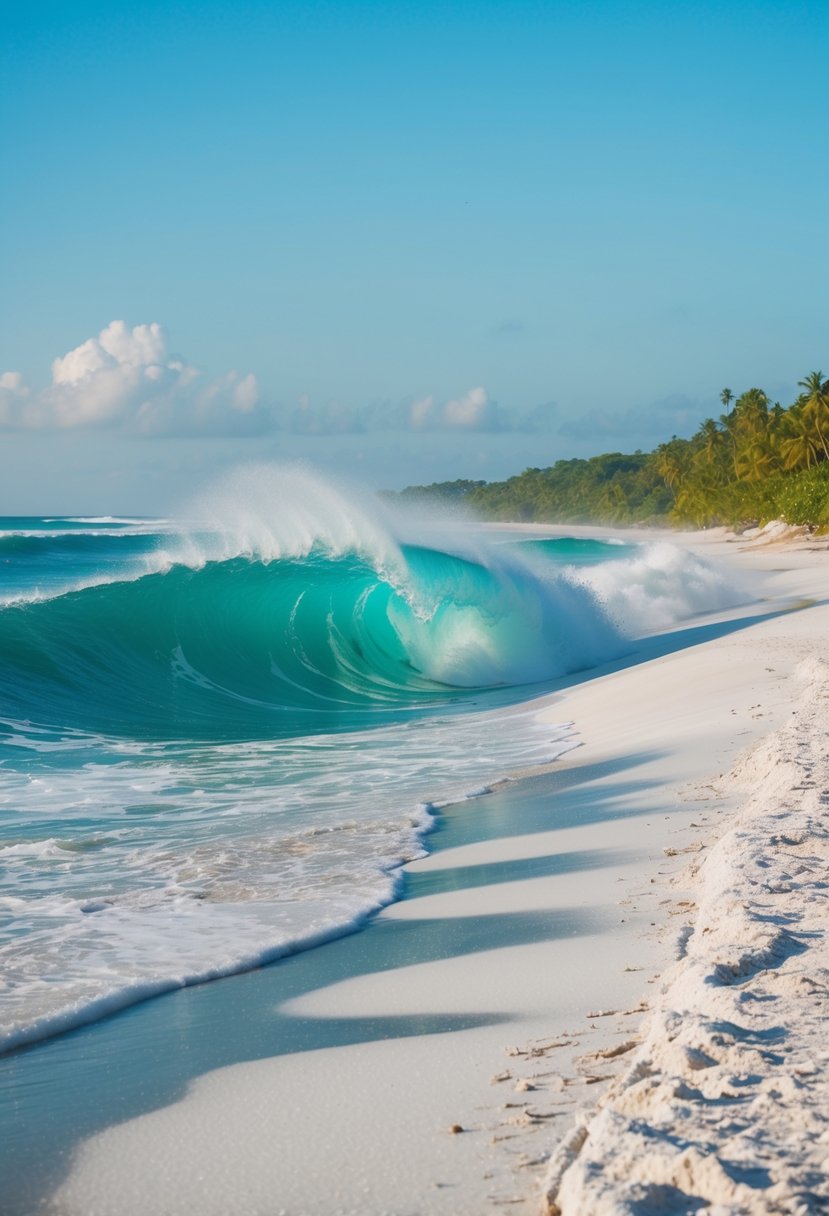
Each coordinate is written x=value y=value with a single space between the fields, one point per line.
x=754 y=462
x=728 y=423
x=671 y=461
x=813 y=383
x=798 y=447
x=749 y=430
x=726 y=396
x=710 y=435
x=753 y=404
x=693 y=504
x=815 y=403
x=710 y=458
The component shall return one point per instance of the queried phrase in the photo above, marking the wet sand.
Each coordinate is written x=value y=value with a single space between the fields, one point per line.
x=499 y=997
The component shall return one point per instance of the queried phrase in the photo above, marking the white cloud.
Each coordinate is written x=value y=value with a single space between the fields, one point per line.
x=13 y=395
x=126 y=378
x=473 y=411
x=245 y=396
x=470 y=411
x=421 y=412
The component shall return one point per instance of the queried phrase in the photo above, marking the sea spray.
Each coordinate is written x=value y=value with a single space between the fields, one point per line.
x=301 y=614
x=660 y=586
x=218 y=737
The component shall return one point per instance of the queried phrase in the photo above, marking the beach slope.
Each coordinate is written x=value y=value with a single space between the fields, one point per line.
x=724 y=1106
x=525 y=943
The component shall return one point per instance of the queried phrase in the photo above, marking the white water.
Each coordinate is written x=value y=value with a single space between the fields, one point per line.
x=135 y=878
x=132 y=867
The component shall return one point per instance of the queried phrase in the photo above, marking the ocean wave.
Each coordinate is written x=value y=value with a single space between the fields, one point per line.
x=660 y=586
x=243 y=644
x=221 y=739
x=305 y=612
x=192 y=863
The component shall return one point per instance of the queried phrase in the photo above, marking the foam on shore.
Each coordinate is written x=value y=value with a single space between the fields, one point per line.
x=724 y=1105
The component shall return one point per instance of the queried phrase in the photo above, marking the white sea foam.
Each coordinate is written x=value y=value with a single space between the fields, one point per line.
x=132 y=520
x=723 y=1106
x=183 y=866
x=660 y=586
x=159 y=562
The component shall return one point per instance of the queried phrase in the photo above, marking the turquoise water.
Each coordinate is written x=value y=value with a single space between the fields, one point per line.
x=220 y=740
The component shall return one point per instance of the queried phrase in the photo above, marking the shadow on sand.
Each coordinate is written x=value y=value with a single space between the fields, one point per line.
x=58 y=1092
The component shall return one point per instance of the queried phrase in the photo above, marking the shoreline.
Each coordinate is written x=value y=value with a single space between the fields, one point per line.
x=721 y=1101
x=722 y=1105
x=485 y=901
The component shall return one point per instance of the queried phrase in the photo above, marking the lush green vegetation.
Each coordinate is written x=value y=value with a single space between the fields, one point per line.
x=438 y=491
x=610 y=487
x=758 y=461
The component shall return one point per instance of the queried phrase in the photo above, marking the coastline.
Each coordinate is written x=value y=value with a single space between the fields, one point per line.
x=518 y=925
x=722 y=1106
x=721 y=1103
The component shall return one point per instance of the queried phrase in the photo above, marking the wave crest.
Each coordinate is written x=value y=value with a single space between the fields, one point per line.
x=294 y=607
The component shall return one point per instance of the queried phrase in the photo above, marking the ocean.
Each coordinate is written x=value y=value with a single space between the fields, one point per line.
x=222 y=735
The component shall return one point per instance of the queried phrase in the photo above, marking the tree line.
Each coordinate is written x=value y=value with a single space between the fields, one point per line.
x=757 y=461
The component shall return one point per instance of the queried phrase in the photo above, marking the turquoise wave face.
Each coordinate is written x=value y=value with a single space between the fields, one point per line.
x=247 y=648
x=577 y=550
x=40 y=557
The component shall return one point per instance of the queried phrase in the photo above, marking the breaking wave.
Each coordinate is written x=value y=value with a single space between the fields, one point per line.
x=306 y=611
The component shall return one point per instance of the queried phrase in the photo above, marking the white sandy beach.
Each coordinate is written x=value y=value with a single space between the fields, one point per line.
x=545 y=930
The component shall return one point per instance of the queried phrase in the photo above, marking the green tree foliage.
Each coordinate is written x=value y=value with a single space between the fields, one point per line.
x=438 y=492
x=614 y=488
x=815 y=406
x=756 y=462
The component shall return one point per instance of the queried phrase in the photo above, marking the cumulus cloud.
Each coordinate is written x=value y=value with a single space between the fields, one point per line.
x=127 y=378
x=473 y=411
x=421 y=412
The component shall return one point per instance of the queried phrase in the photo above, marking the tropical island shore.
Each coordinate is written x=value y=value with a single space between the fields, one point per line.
x=433 y=1062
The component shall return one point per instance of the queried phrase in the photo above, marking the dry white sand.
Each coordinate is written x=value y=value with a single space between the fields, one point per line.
x=725 y=1105
x=544 y=933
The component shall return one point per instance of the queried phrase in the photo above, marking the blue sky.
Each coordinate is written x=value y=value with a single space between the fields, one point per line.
x=408 y=241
